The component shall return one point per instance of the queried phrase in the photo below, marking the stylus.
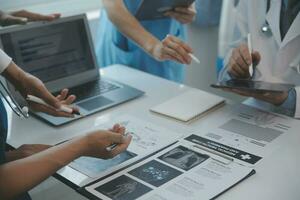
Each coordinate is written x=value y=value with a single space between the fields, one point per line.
x=42 y=102
x=250 y=51
x=194 y=58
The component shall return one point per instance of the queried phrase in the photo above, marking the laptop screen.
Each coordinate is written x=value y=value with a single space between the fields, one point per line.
x=52 y=51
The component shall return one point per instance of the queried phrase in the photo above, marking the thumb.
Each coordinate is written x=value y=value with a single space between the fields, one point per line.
x=116 y=138
x=256 y=57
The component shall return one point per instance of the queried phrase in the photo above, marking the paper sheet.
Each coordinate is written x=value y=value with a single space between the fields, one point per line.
x=246 y=134
x=181 y=171
x=147 y=138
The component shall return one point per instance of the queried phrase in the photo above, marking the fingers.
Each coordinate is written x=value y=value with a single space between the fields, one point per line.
x=35 y=16
x=121 y=147
x=116 y=137
x=63 y=94
x=64 y=98
x=182 y=14
x=239 y=62
x=181 y=43
x=37 y=88
x=11 y=20
x=177 y=50
x=256 y=58
x=169 y=53
x=117 y=128
x=48 y=97
x=49 y=110
x=69 y=100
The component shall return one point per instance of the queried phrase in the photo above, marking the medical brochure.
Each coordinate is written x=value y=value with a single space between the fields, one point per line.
x=183 y=171
x=244 y=133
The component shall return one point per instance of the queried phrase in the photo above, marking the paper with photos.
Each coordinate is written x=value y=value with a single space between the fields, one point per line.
x=181 y=171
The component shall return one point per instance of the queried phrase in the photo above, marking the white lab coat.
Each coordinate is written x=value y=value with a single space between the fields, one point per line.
x=279 y=59
x=226 y=29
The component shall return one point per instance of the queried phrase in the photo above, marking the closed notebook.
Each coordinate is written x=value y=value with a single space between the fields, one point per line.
x=189 y=105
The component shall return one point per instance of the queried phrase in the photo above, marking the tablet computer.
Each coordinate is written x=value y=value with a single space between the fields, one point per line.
x=253 y=86
x=155 y=9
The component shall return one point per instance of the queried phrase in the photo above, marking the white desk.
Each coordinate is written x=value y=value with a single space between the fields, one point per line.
x=274 y=179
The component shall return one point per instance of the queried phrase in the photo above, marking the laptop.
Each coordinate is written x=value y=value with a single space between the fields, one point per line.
x=61 y=54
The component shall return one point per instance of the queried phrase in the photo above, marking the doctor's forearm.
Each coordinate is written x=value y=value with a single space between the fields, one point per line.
x=129 y=25
x=14 y=75
x=22 y=175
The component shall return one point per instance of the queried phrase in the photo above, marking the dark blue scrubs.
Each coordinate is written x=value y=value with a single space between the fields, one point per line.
x=3 y=135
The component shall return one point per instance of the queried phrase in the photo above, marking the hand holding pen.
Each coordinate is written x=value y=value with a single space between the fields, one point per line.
x=172 y=48
x=243 y=60
x=62 y=108
x=27 y=84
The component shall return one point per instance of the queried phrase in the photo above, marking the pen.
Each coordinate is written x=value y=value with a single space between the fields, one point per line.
x=113 y=146
x=194 y=58
x=42 y=102
x=250 y=51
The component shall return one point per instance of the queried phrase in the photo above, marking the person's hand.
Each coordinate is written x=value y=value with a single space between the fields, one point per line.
x=31 y=85
x=24 y=16
x=27 y=84
x=172 y=48
x=270 y=97
x=98 y=141
x=184 y=15
x=25 y=151
x=240 y=61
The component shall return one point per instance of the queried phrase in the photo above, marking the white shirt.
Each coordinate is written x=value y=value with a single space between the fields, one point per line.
x=280 y=59
x=4 y=60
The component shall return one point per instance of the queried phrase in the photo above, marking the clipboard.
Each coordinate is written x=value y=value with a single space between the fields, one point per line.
x=155 y=9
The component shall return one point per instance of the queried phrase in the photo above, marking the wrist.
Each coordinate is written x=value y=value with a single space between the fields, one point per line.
x=15 y=75
x=151 y=45
x=82 y=145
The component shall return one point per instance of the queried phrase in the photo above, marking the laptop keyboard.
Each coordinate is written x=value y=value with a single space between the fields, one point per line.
x=92 y=89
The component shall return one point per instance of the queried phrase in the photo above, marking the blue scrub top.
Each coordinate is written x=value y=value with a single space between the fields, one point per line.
x=113 y=48
x=3 y=131
x=3 y=135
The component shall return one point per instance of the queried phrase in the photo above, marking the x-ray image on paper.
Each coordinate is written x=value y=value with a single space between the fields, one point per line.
x=93 y=166
x=155 y=173
x=123 y=188
x=183 y=158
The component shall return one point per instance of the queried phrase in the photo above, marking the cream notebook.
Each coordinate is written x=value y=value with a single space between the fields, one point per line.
x=189 y=105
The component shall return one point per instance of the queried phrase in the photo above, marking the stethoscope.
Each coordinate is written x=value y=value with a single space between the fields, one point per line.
x=265 y=28
x=13 y=104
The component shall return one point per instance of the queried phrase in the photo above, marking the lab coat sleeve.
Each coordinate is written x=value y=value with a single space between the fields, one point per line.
x=297 y=109
x=240 y=32
x=4 y=61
